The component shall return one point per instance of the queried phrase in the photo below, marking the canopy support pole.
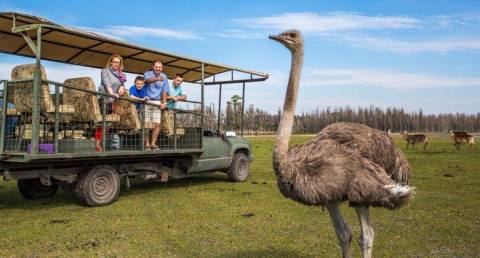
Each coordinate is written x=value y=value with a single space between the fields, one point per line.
x=203 y=99
x=219 y=106
x=29 y=42
x=36 y=92
x=243 y=109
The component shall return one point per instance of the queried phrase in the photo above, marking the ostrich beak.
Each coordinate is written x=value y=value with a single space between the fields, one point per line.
x=275 y=37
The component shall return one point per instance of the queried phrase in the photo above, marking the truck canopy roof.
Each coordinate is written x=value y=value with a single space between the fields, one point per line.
x=80 y=47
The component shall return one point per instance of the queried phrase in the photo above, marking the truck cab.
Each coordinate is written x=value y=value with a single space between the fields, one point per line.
x=231 y=154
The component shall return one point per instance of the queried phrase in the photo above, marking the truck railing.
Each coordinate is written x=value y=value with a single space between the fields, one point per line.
x=73 y=118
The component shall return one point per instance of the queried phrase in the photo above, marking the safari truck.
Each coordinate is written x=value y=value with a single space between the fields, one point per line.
x=48 y=129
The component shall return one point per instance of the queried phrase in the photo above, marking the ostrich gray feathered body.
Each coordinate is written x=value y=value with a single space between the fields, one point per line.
x=345 y=162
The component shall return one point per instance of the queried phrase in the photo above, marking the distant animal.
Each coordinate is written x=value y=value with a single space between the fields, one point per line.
x=460 y=138
x=344 y=162
x=412 y=139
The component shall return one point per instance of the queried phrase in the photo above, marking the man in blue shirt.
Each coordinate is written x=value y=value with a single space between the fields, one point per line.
x=176 y=92
x=156 y=88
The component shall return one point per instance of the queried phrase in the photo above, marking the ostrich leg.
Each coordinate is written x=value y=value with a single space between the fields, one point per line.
x=366 y=240
x=341 y=228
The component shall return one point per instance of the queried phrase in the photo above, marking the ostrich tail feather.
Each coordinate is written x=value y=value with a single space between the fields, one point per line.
x=400 y=191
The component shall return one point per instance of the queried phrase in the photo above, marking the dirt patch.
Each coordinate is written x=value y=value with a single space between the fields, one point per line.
x=59 y=221
x=248 y=215
x=88 y=244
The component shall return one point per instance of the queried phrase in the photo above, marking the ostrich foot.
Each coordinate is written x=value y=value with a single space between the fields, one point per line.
x=341 y=228
x=366 y=240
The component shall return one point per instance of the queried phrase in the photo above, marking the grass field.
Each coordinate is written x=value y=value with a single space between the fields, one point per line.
x=211 y=217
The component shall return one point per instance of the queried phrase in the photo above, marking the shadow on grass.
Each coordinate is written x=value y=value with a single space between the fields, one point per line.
x=262 y=253
x=11 y=199
x=139 y=187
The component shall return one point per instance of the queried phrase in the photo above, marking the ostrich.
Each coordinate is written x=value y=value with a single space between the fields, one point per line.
x=344 y=162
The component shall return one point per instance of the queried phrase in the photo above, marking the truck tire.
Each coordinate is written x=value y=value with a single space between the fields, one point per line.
x=33 y=189
x=98 y=186
x=239 y=170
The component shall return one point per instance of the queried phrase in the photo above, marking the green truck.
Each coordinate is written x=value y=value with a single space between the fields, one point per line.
x=49 y=129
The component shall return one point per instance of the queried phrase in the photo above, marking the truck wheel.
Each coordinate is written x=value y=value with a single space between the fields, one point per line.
x=33 y=189
x=98 y=186
x=239 y=171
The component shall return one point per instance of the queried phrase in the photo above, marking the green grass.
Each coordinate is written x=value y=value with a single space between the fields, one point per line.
x=210 y=216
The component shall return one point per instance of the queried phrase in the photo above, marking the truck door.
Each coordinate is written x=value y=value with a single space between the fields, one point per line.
x=215 y=154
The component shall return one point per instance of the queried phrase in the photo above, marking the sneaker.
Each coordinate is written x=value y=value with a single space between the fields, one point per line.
x=155 y=147
x=147 y=148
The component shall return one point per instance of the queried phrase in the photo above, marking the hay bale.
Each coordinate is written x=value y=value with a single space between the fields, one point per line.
x=128 y=114
x=27 y=131
x=85 y=104
x=166 y=125
x=112 y=118
x=23 y=92
x=68 y=108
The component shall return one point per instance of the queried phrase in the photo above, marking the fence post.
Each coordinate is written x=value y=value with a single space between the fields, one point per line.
x=104 y=128
x=4 y=116
x=57 y=103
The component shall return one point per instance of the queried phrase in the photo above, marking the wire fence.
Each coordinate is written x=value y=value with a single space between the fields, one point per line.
x=74 y=118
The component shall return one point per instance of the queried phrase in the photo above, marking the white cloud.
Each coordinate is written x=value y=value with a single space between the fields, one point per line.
x=385 y=79
x=355 y=29
x=445 y=21
x=409 y=47
x=315 y=23
x=240 y=34
x=122 y=32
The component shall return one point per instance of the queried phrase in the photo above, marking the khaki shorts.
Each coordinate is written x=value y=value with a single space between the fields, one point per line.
x=153 y=114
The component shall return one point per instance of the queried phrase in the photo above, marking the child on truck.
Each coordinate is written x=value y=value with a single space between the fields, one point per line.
x=138 y=92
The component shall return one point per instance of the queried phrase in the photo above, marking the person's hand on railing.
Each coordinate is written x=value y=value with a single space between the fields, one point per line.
x=163 y=105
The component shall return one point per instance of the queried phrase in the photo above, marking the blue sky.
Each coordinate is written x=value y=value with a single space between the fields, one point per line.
x=414 y=54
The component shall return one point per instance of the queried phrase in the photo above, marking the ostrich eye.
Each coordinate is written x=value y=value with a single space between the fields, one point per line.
x=293 y=35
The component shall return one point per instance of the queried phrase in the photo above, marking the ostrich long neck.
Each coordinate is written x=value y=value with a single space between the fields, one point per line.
x=286 y=122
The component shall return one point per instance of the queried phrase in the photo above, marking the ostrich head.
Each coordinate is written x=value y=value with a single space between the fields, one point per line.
x=292 y=39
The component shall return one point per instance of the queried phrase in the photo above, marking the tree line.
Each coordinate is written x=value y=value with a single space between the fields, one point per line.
x=258 y=121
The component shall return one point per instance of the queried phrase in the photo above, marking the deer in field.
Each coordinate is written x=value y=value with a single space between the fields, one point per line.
x=463 y=138
x=412 y=139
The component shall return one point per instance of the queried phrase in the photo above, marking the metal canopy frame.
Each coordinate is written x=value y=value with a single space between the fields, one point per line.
x=81 y=47
x=44 y=27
